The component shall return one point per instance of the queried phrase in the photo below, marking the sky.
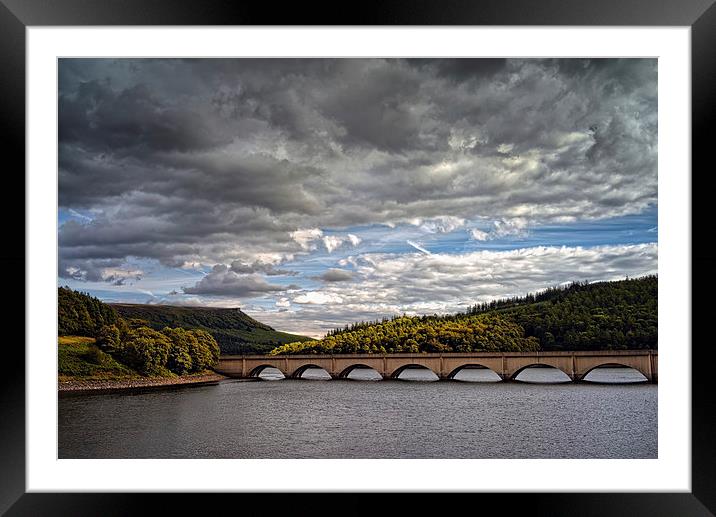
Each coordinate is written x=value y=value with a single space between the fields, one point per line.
x=312 y=193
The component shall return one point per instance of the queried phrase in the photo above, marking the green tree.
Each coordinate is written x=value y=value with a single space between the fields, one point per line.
x=108 y=339
x=202 y=355
x=79 y=314
x=179 y=359
x=207 y=341
x=147 y=351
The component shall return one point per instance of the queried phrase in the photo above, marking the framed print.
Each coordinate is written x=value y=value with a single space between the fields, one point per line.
x=452 y=191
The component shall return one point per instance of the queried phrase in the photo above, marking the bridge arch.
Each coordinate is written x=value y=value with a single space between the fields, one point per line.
x=514 y=375
x=412 y=366
x=508 y=365
x=256 y=372
x=298 y=372
x=636 y=368
x=358 y=366
x=468 y=366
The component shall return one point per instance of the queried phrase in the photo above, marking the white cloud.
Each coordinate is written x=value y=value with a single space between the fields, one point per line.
x=317 y=298
x=390 y=284
x=464 y=139
x=442 y=224
x=120 y=275
x=479 y=235
x=305 y=237
x=514 y=227
x=333 y=242
x=192 y=265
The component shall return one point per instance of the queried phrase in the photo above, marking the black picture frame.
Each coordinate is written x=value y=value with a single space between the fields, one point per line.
x=17 y=15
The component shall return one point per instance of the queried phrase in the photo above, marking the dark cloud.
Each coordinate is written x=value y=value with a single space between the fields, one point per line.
x=220 y=160
x=133 y=120
x=464 y=69
x=222 y=281
x=258 y=267
x=335 y=275
x=113 y=270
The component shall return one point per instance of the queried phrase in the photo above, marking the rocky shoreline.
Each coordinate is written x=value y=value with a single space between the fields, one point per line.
x=81 y=387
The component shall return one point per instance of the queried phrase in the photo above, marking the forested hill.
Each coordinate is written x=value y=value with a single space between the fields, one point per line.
x=598 y=316
x=79 y=314
x=235 y=331
x=581 y=316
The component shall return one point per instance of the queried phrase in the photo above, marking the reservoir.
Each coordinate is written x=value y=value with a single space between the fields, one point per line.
x=469 y=417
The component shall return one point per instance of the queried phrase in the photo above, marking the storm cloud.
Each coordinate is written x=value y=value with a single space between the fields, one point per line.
x=336 y=275
x=223 y=281
x=236 y=167
x=217 y=153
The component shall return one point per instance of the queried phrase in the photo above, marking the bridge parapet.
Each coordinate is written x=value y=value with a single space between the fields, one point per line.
x=506 y=364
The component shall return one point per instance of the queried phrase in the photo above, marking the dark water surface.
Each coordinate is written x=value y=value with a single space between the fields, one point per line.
x=541 y=418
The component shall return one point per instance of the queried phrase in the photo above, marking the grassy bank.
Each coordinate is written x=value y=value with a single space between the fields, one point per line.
x=82 y=366
x=79 y=358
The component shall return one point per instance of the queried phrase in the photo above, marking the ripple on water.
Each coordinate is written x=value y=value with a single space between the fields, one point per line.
x=349 y=419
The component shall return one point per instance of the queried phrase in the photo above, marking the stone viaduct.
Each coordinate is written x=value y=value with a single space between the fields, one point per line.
x=506 y=364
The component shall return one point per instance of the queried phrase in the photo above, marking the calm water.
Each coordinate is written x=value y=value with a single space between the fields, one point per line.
x=475 y=418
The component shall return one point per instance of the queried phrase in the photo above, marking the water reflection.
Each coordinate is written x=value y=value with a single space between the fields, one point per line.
x=612 y=375
x=472 y=374
x=271 y=374
x=542 y=375
x=417 y=374
x=315 y=374
x=536 y=375
x=364 y=374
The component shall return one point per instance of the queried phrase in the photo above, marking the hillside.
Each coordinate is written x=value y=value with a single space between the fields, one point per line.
x=79 y=314
x=602 y=315
x=80 y=357
x=581 y=316
x=236 y=332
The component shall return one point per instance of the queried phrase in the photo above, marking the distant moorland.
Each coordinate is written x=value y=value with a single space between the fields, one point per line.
x=236 y=332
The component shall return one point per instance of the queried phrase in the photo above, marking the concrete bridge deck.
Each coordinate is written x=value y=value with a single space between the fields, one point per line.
x=445 y=365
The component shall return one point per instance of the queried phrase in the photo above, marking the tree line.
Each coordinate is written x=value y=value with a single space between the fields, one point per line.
x=131 y=341
x=599 y=316
x=79 y=314
x=580 y=316
x=484 y=332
